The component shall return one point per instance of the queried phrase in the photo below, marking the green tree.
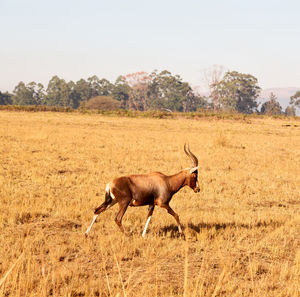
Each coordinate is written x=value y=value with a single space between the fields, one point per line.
x=93 y=82
x=22 y=95
x=238 y=92
x=272 y=106
x=295 y=99
x=290 y=111
x=170 y=92
x=195 y=102
x=120 y=91
x=82 y=89
x=105 y=87
x=75 y=94
x=59 y=93
x=30 y=94
x=5 y=98
x=38 y=92
x=99 y=87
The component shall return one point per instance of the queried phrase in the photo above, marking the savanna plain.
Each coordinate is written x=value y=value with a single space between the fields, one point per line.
x=242 y=230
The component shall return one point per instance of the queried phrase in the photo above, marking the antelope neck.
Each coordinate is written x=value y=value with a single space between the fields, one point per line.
x=177 y=181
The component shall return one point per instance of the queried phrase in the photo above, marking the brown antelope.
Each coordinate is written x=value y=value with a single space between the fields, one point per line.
x=148 y=189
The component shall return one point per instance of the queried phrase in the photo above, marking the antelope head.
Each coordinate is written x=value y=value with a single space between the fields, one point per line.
x=192 y=179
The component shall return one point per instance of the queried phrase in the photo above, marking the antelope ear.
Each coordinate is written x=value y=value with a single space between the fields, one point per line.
x=194 y=169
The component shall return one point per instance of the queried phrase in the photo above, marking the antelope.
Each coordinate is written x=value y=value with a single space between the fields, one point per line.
x=148 y=189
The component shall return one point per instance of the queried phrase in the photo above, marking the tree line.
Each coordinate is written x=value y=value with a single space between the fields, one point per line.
x=234 y=91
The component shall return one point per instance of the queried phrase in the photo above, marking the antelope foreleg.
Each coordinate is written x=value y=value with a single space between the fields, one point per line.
x=175 y=215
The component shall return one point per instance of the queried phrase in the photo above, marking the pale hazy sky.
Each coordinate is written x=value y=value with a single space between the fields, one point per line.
x=77 y=39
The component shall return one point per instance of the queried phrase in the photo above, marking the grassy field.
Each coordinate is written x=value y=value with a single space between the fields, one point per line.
x=242 y=230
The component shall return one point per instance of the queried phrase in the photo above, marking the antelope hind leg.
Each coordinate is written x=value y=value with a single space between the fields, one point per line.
x=92 y=223
x=151 y=209
x=97 y=211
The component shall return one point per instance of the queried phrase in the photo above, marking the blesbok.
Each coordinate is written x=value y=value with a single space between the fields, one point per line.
x=148 y=189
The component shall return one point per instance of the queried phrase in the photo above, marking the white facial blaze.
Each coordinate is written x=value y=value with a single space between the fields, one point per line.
x=194 y=169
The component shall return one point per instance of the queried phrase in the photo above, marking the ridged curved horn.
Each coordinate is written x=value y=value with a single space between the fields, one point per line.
x=191 y=156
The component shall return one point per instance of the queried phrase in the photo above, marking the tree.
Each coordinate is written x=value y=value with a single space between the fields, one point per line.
x=295 y=99
x=76 y=94
x=99 y=87
x=168 y=91
x=272 y=106
x=22 y=95
x=238 y=92
x=212 y=77
x=30 y=94
x=139 y=83
x=60 y=93
x=82 y=90
x=38 y=92
x=139 y=91
x=121 y=91
x=193 y=102
x=5 y=98
x=93 y=82
x=105 y=87
x=290 y=111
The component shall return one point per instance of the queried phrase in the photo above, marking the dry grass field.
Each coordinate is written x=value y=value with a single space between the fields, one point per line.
x=242 y=230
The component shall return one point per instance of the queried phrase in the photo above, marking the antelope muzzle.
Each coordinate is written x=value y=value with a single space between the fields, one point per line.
x=196 y=189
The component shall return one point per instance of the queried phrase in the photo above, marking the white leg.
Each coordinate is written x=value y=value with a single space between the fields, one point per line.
x=179 y=229
x=145 y=229
x=93 y=221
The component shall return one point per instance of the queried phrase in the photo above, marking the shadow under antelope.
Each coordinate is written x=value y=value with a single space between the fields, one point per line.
x=148 y=189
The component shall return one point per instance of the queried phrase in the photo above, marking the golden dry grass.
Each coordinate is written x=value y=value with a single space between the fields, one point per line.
x=242 y=229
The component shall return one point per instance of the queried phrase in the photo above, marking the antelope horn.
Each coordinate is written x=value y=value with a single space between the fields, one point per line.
x=191 y=156
x=194 y=158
